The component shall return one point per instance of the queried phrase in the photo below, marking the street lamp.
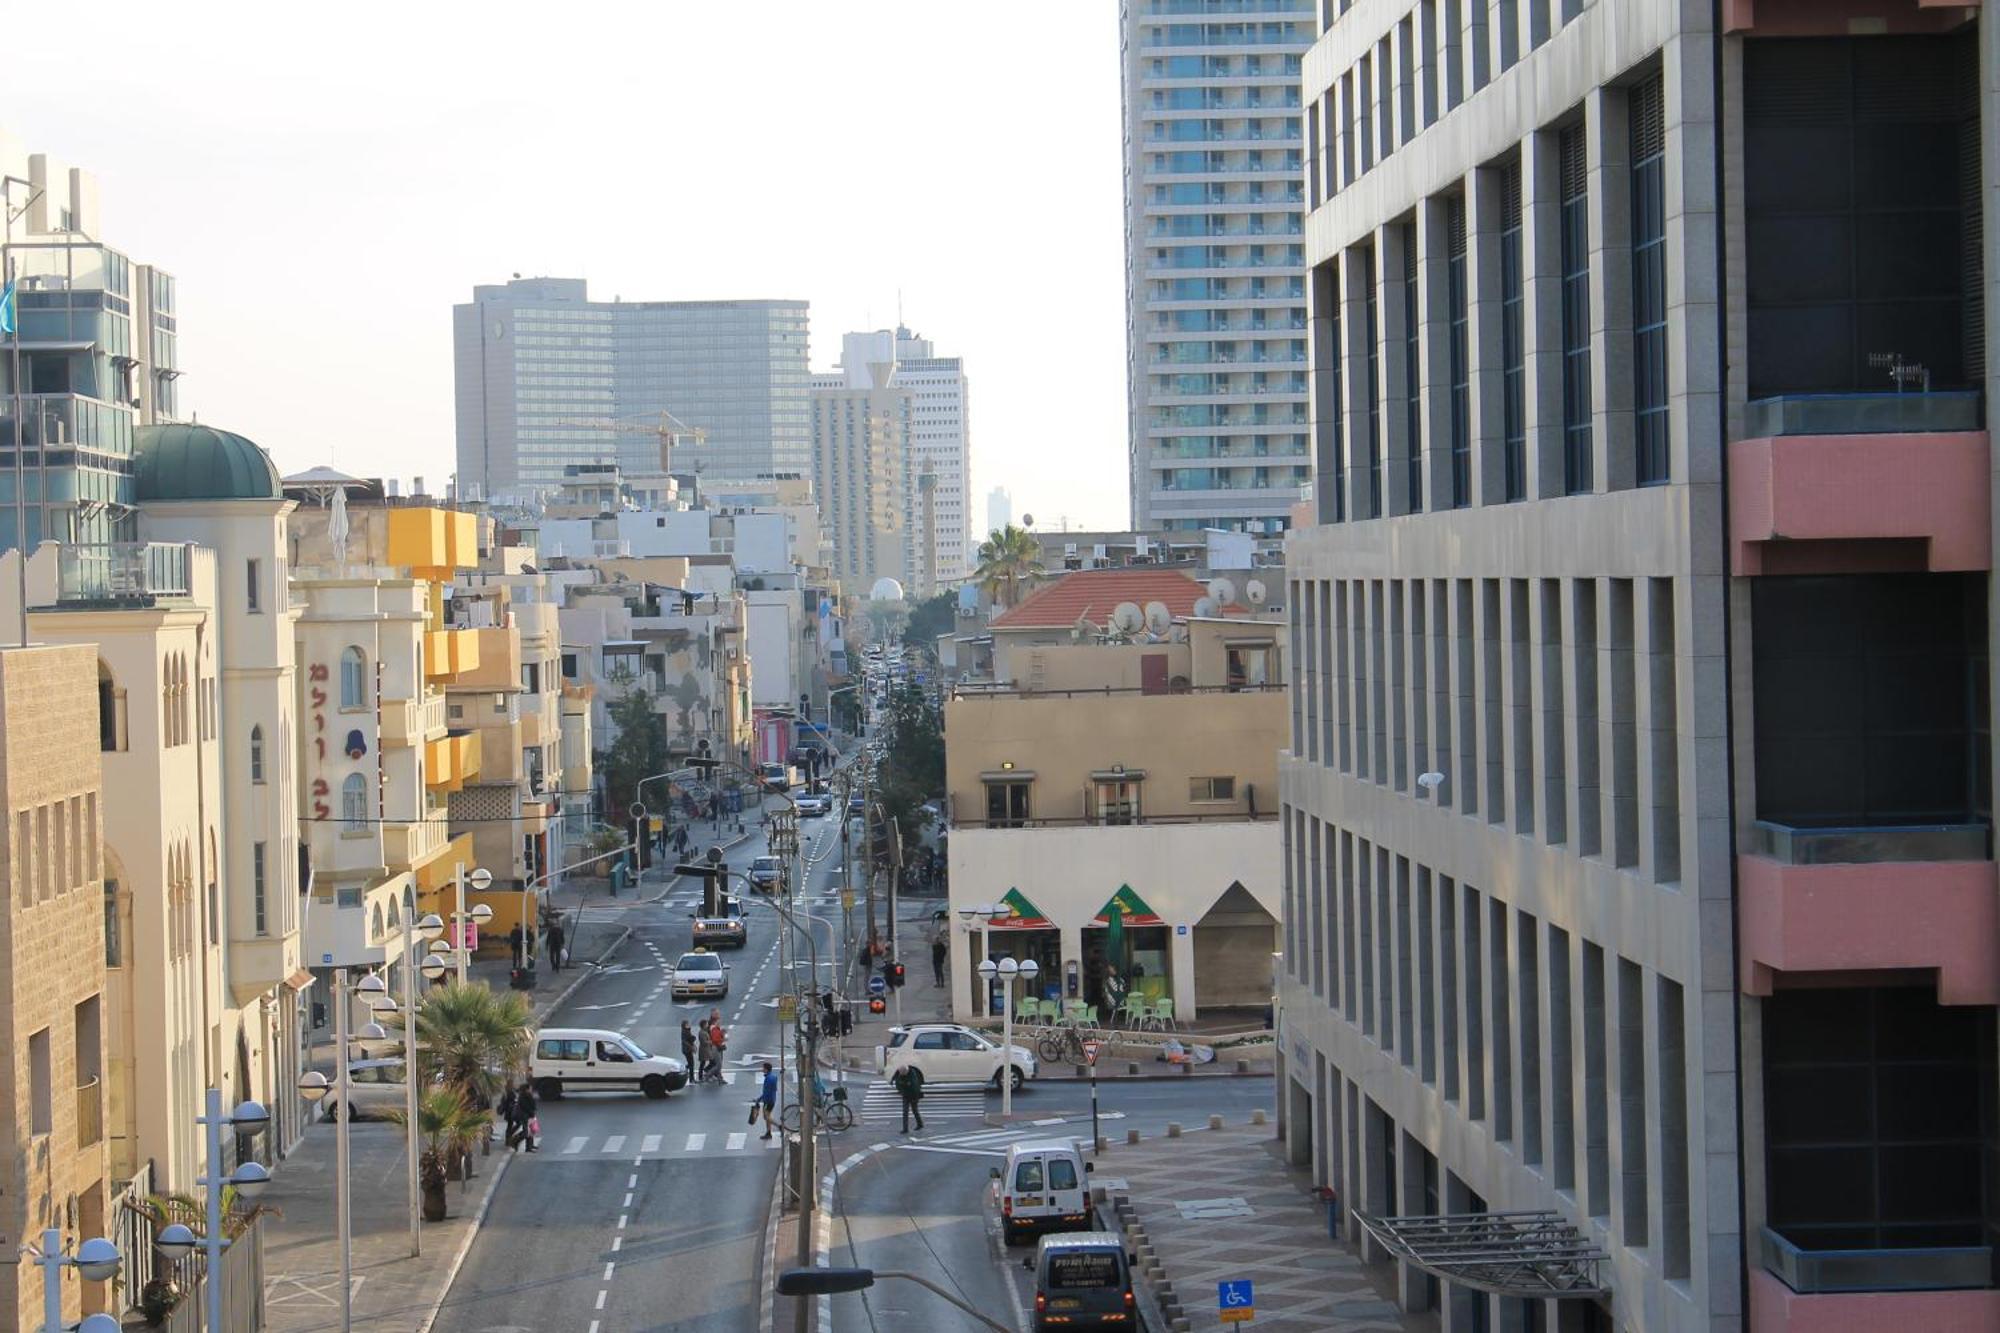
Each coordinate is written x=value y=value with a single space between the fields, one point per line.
x=95 y=1260
x=313 y=1086
x=179 y=1241
x=427 y=929
x=1007 y=970
x=983 y=913
x=478 y=915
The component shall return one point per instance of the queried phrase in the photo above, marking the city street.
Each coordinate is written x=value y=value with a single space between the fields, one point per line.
x=638 y=1214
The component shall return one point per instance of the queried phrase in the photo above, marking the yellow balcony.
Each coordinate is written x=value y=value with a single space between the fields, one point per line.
x=431 y=543
x=412 y=721
x=434 y=876
x=448 y=652
x=451 y=761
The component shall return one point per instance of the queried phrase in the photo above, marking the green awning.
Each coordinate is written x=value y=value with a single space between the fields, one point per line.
x=1131 y=906
x=1021 y=914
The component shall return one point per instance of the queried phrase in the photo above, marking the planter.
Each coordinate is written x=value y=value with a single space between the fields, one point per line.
x=434 y=1202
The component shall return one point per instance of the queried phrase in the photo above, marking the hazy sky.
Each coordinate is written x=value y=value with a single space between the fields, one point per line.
x=326 y=181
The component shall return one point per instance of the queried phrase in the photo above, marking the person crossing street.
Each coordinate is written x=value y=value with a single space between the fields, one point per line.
x=909 y=1083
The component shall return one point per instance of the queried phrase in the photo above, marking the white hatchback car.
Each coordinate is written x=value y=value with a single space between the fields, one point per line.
x=949 y=1053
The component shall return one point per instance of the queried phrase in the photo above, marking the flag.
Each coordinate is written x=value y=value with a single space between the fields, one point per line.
x=7 y=309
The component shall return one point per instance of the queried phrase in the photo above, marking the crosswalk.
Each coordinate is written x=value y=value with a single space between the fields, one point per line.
x=881 y=1105
x=998 y=1140
x=662 y=1145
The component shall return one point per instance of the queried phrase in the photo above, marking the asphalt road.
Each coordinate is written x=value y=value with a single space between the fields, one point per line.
x=636 y=1214
x=922 y=1203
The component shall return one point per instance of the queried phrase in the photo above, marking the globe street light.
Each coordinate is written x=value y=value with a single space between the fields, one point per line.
x=249 y=1119
x=313 y=1086
x=95 y=1260
x=478 y=915
x=1007 y=970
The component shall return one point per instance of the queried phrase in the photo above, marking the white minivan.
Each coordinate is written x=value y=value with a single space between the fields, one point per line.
x=566 y=1060
x=1044 y=1186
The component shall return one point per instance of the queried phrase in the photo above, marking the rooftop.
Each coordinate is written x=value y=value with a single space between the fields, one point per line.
x=187 y=461
x=1095 y=593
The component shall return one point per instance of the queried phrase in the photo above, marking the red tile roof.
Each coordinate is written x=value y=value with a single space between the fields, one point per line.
x=1096 y=593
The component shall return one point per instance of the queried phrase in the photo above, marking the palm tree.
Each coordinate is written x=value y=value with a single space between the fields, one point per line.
x=1009 y=558
x=470 y=1038
x=450 y=1126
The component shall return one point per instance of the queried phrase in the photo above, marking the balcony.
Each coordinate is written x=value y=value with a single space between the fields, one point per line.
x=452 y=760
x=413 y=843
x=448 y=652
x=1844 y=483
x=90 y=1113
x=412 y=721
x=1813 y=1290
x=122 y=574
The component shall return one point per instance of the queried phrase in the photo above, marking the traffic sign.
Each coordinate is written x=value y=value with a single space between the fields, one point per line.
x=1237 y=1301
x=876 y=985
x=847 y=900
x=1090 y=1052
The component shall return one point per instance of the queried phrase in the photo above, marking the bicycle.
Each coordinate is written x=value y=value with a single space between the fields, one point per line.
x=830 y=1110
x=1061 y=1045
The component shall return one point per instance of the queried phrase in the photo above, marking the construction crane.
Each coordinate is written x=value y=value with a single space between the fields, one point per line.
x=669 y=427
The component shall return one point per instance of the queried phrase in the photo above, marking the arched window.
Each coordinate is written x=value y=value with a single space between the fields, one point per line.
x=257 y=754
x=110 y=710
x=167 y=700
x=353 y=679
x=354 y=803
x=375 y=930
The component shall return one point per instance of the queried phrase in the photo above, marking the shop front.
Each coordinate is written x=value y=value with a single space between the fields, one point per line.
x=1021 y=933
x=1127 y=934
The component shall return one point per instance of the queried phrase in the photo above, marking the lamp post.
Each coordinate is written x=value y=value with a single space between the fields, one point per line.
x=313 y=1086
x=178 y=1241
x=1007 y=970
x=478 y=916
x=427 y=929
x=95 y=1260
x=983 y=913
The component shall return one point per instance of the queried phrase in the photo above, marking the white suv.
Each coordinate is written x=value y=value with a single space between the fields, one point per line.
x=949 y=1053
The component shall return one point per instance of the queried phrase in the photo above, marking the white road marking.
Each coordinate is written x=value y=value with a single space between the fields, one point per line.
x=696 y=1142
x=628 y=1200
x=600 y=1298
x=962 y=1152
x=617 y=1244
x=621 y=1221
x=736 y=1142
x=632 y=1181
x=575 y=1146
x=651 y=1143
x=607 y=1271
x=616 y=1143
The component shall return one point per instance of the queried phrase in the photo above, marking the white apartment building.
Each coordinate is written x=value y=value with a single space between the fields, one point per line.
x=1215 y=261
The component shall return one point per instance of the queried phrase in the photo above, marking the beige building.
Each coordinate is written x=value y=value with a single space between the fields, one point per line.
x=862 y=476
x=53 y=1160
x=1137 y=772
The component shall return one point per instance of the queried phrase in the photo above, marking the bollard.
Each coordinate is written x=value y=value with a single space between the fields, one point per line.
x=1258 y=1117
x=1188 y=1068
x=1242 y=1066
x=1103 y=1143
x=1131 y=1136
x=1215 y=1122
x=1173 y=1129
x=1132 y=1067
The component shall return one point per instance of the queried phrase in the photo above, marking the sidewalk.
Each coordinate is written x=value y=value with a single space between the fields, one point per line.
x=1218 y=1205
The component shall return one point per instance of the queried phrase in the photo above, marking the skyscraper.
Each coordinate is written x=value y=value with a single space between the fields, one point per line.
x=543 y=373
x=1215 y=324
x=864 y=477
x=99 y=357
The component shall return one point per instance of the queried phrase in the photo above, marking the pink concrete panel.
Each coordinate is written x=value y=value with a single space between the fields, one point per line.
x=1776 y=1308
x=1845 y=488
x=1839 y=18
x=1878 y=916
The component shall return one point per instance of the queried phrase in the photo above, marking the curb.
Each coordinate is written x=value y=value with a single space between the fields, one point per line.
x=465 y=1245
x=767 y=1299
x=583 y=974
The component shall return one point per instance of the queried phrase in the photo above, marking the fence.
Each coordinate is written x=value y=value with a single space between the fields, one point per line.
x=242 y=1270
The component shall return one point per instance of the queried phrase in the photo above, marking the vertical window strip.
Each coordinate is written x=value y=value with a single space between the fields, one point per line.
x=1461 y=359
x=1652 y=466
x=1574 y=231
x=1372 y=333
x=1412 y=394
x=1337 y=408
x=1513 y=337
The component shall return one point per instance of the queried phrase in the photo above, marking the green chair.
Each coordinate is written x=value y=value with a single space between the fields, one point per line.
x=1029 y=1011
x=1163 y=1013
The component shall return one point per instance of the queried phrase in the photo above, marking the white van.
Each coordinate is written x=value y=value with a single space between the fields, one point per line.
x=568 y=1060
x=1044 y=1186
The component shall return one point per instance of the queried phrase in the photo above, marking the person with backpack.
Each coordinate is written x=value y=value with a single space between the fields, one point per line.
x=909 y=1084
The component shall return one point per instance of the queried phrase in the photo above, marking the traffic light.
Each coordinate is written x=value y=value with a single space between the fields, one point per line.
x=875 y=1005
x=895 y=973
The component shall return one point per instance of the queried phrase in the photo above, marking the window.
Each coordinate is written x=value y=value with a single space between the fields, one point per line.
x=252 y=574
x=114 y=938
x=354 y=803
x=110 y=711
x=1649 y=282
x=1028 y=1176
x=1513 y=337
x=531 y=677
x=1062 y=1173
x=1574 y=228
x=1006 y=804
x=1372 y=391
x=1459 y=314
x=41 y=1077
x=1117 y=800
x=612 y=1053
x=353 y=679
x=259 y=887
x=1211 y=789
x=1413 y=427
x=257 y=754
x=569 y=666
x=1249 y=666
x=933 y=1041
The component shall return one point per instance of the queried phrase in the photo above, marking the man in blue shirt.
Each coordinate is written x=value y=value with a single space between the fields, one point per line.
x=767 y=1098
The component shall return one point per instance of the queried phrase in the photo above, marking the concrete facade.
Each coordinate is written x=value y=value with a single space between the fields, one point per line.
x=864 y=475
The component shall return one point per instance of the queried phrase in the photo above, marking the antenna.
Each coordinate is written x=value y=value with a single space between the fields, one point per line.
x=1158 y=618
x=1255 y=593
x=1128 y=618
x=1223 y=591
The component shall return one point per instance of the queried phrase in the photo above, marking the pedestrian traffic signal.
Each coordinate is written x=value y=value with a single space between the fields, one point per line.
x=895 y=971
x=876 y=1006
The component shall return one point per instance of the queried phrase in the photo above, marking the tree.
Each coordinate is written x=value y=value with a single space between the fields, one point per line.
x=471 y=1039
x=1010 y=559
x=912 y=771
x=450 y=1126
x=930 y=619
x=638 y=751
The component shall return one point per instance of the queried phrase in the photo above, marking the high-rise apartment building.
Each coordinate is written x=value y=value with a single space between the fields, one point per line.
x=99 y=357
x=1215 y=321
x=865 y=473
x=999 y=513
x=1638 y=810
x=547 y=377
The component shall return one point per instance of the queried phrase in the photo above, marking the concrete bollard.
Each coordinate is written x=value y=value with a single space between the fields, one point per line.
x=1242 y=1066
x=1188 y=1068
x=1173 y=1129
x=1132 y=1067
x=1082 y=1071
x=1259 y=1117
x=1102 y=1143
x=1215 y=1122
x=1131 y=1136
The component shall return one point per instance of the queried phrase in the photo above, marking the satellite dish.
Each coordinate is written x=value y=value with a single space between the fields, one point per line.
x=1158 y=618
x=1127 y=618
x=1223 y=591
x=1204 y=607
x=1255 y=593
x=1027 y=520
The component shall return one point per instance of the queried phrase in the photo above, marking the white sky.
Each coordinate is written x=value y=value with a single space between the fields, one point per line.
x=327 y=180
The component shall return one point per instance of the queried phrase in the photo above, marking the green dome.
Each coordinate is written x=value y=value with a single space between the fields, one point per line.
x=194 y=462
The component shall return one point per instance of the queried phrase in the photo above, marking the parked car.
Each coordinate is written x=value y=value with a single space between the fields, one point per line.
x=1043 y=1187
x=714 y=931
x=566 y=1060
x=951 y=1053
x=700 y=975
x=1083 y=1280
x=766 y=873
x=375 y=1090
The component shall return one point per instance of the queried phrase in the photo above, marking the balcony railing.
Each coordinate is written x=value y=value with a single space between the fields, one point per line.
x=1796 y=846
x=121 y=573
x=1818 y=1271
x=1912 y=413
x=407 y=844
x=90 y=1113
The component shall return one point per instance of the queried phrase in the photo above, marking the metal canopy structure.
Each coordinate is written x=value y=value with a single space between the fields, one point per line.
x=1535 y=1254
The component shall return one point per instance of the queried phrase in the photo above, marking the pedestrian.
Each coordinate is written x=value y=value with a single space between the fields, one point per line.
x=504 y=1109
x=524 y=1124
x=1114 y=992
x=909 y=1083
x=557 y=940
x=517 y=938
x=767 y=1099
x=705 y=1054
x=939 y=948
x=687 y=1049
